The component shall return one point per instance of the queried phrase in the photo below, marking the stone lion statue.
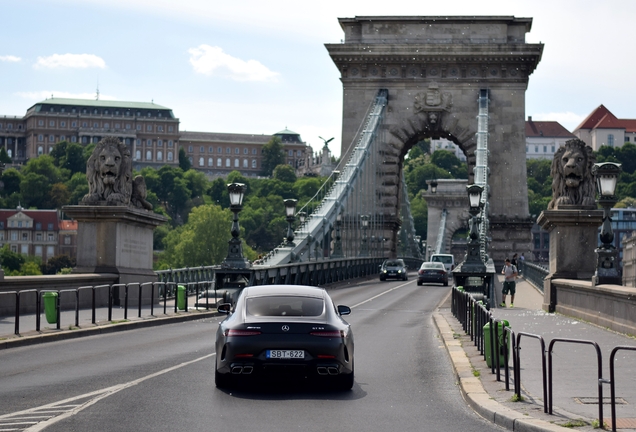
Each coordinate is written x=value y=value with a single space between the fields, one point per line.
x=109 y=172
x=572 y=179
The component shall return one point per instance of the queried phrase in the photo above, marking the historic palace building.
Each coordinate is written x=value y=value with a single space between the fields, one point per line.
x=152 y=134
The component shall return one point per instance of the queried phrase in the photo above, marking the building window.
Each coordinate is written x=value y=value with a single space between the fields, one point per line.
x=40 y=122
x=245 y=163
x=219 y=162
x=51 y=138
x=40 y=150
x=210 y=162
x=62 y=124
x=40 y=137
x=536 y=149
x=170 y=143
x=290 y=153
x=149 y=155
x=253 y=163
x=24 y=249
x=38 y=236
x=84 y=124
x=254 y=151
x=160 y=128
x=170 y=157
x=14 y=235
x=610 y=140
x=236 y=163
x=552 y=149
x=63 y=138
x=219 y=150
x=50 y=251
x=210 y=149
x=67 y=240
x=74 y=124
x=201 y=162
x=25 y=236
x=237 y=151
x=137 y=154
x=38 y=251
x=228 y=164
x=190 y=149
x=138 y=127
x=149 y=127
x=52 y=123
x=626 y=139
x=170 y=128
x=545 y=149
x=201 y=149
x=228 y=150
x=49 y=227
x=159 y=155
x=245 y=151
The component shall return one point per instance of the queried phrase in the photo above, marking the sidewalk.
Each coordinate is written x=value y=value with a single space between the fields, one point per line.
x=575 y=389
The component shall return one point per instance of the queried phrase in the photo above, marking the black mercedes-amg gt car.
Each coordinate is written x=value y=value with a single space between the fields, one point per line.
x=287 y=332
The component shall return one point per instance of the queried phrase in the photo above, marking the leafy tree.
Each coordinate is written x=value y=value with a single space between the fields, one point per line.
x=196 y=181
x=218 y=193
x=447 y=160
x=11 y=261
x=77 y=187
x=285 y=173
x=34 y=190
x=184 y=162
x=70 y=156
x=202 y=240
x=59 y=195
x=11 y=179
x=44 y=165
x=4 y=157
x=55 y=264
x=273 y=155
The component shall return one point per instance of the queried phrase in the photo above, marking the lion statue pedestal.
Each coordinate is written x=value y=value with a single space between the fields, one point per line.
x=115 y=221
x=572 y=218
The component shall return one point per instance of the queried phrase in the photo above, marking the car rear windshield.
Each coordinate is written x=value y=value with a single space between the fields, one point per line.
x=442 y=259
x=284 y=306
x=438 y=266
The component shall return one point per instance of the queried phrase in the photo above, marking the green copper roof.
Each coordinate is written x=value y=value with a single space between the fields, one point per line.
x=286 y=132
x=101 y=103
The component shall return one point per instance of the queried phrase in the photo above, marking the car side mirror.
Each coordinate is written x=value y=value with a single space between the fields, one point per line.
x=344 y=310
x=224 y=308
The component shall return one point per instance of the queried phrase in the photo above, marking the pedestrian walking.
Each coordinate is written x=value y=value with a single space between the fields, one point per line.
x=510 y=274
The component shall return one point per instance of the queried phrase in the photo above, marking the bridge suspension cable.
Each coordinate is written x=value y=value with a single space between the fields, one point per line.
x=481 y=169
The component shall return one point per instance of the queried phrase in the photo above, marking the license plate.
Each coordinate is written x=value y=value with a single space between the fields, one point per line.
x=285 y=354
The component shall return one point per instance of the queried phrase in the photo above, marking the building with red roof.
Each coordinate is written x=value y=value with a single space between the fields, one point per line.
x=602 y=127
x=543 y=138
x=36 y=232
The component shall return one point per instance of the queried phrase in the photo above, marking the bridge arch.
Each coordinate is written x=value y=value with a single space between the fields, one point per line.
x=434 y=69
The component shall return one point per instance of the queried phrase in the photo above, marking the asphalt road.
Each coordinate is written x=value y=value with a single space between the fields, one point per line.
x=162 y=378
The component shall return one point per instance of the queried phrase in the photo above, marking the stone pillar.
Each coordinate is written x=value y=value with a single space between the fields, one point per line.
x=115 y=239
x=573 y=239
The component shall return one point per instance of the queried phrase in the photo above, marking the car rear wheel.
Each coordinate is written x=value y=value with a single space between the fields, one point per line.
x=345 y=381
x=419 y=283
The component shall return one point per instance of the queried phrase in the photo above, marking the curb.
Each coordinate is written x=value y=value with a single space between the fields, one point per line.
x=476 y=396
x=103 y=329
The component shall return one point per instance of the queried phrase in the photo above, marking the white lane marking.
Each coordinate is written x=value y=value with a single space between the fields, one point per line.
x=381 y=294
x=72 y=409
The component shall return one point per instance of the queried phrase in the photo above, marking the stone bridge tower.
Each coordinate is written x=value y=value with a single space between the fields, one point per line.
x=434 y=69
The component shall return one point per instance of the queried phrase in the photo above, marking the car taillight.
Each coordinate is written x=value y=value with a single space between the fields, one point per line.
x=235 y=332
x=331 y=333
x=420 y=272
x=442 y=272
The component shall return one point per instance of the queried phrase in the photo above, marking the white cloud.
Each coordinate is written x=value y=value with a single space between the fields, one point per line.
x=568 y=120
x=10 y=59
x=46 y=94
x=209 y=60
x=82 y=61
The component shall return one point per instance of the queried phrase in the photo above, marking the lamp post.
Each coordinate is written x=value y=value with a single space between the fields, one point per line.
x=290 y=209
x=606 y=174
x=473 y=262
x=235 y=258
x=364 y=249
x=337 y=245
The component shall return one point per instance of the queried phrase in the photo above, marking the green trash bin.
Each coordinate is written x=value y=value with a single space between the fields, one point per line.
x=181 y=297
x=50 y=307
x=460 y=288
x=499 y=349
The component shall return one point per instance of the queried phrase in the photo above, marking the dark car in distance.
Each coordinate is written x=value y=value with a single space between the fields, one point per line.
x=287 y=331
x=434 y=272
x=393 y=269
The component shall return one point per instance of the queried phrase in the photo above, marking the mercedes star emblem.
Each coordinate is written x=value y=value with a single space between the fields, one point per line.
x=285 y=328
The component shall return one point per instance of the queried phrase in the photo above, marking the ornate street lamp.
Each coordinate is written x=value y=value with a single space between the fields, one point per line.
x=364 y=249
x=337 y=244
x=606 y=174
x=290 y=210
x=235 y=258
x=433 y=186
x=473 y=262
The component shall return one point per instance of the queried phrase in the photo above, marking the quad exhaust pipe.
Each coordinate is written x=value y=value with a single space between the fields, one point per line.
x=331 y=370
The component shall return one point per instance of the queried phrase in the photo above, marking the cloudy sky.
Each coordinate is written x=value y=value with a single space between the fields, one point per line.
x=254 y=66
